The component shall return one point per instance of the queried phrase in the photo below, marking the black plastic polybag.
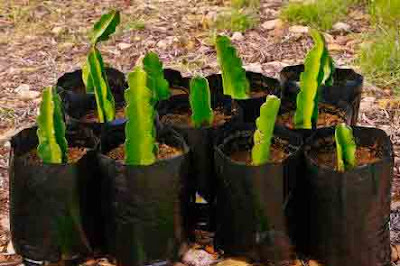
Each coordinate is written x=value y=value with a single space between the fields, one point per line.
x=201 y=140
x=148 y=203
x=77 y=103
x=251 y=200
x=48 y=215
x=258 y=83
x=347 y=87
x=348 y=213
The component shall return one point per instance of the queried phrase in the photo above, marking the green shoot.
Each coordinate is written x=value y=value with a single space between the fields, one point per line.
x=105 y=26
x=104 y=98
x=318 y=70
x=52 y=146
x=345 y=148
x=200 y=102
x=235 y=83
x=265 y=129
x=155 y=77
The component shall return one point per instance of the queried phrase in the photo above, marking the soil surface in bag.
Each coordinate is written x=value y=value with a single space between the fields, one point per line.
x=50 y=220
x=92 y=117
x=347 y=87
x=349 y=213
x=176 y=113
x=147 y=204
x=260 y=87
x=251 y=200
x=328 y=115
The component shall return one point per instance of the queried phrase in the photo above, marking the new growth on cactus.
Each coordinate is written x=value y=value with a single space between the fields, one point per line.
x=93 y=72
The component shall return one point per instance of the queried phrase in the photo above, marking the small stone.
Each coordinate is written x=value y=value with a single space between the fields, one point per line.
x=253 y=67
x=23 y=92
x=57 y=30
x=124 y=46
x=163 y=44
x=271 y=24
x=22 y=88
x=341 y=26
x=237 y=36
x=298 y=29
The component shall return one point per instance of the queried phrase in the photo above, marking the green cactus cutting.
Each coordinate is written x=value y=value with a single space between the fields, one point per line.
x=155 y=77
x=52 y=146
x=235 y=83
x=260 y=153
x=140 y=132
x=200 y=102
x=318 y=70
x=345 y=147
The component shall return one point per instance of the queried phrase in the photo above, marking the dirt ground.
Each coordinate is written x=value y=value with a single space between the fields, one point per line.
x=40 y=40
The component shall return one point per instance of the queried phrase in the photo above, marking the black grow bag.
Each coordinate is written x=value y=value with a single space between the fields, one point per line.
x=77 y=103
x=251 y=200
x=49 y=215
x=348 y=213
x=258 y=83
x=148 y=203
x=201 y=140
x=177 y=83
x=347 y=87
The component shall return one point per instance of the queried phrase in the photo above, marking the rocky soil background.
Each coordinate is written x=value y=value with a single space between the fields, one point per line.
x=40 y=40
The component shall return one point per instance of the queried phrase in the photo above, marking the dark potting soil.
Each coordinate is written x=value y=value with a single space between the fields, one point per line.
x=184 y=118
x=324 y=154
x=74 y=154
x=328 y=116
x=258 y=93
x=278 y=153
x=164 y=152
x=92 y=116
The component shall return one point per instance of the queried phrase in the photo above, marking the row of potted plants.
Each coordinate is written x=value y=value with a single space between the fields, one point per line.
x=141 y=154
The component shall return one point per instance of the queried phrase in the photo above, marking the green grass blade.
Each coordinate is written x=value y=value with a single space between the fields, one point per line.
x=155 y=76
x=104 y=98
x=140 y=145
x=105 y=26
x=48 y=149
x=235 y=83
x=265 y=130
x=310 y=80
x=345 y=148
x=87 y=80
x=200 y=102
